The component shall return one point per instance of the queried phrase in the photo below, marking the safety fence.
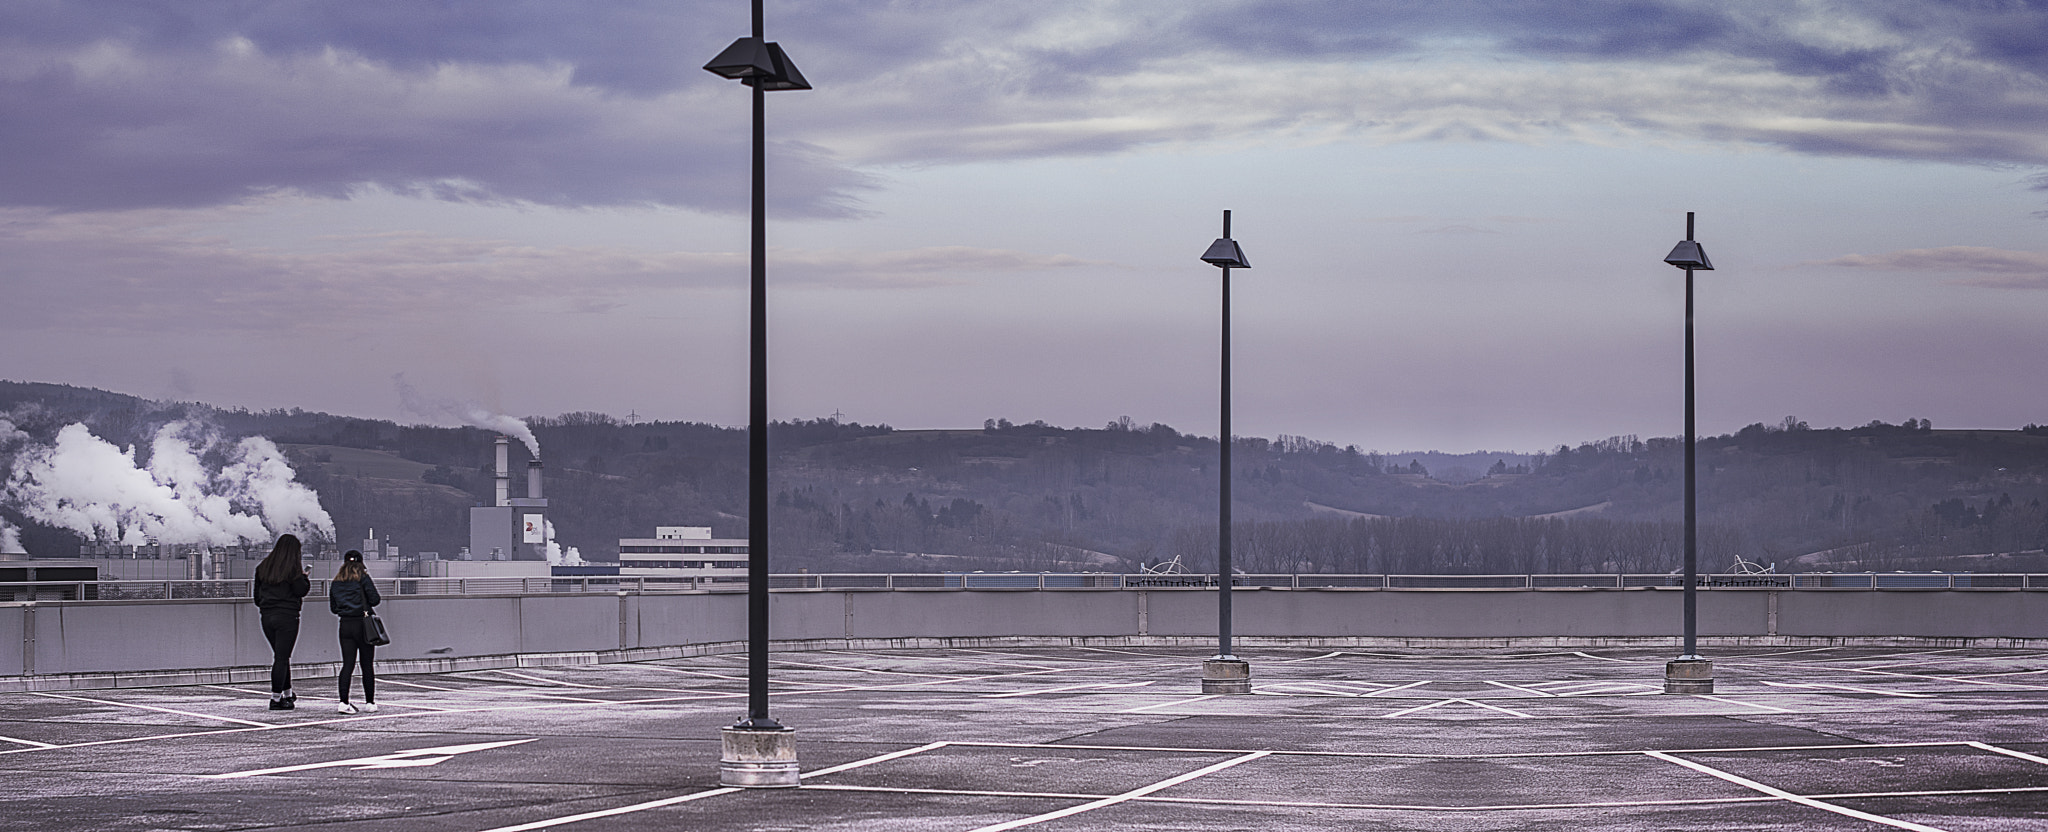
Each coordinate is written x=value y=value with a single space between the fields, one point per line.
x=160 y=590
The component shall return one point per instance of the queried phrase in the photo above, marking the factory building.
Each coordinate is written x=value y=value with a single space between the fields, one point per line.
x=683 y=552
x=513 y=528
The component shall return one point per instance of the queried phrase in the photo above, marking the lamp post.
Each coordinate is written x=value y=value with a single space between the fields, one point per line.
x=1225 y=673
x=1689 y=673
x=758 y=752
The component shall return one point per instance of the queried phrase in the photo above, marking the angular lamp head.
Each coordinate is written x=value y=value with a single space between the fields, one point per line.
x=1225 y=254
x=745 y=58
x=1688 y=255
x=785 y=76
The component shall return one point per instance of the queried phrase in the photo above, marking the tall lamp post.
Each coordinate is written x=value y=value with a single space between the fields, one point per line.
x=1689 y=673
x=758 y=752
x=1225 y=673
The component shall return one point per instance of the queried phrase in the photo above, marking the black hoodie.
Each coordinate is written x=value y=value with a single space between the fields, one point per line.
x=286 y=596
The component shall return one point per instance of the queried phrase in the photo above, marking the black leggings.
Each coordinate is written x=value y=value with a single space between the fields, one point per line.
x=353 y=644
x=282 y=631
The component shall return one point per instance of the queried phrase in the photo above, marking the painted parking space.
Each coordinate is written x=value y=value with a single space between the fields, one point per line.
x=1071 y=738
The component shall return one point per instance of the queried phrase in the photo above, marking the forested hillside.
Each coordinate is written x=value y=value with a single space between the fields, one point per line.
x=1034 y=496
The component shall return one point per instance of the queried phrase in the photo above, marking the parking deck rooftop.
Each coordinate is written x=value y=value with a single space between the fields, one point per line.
x=1073 y=738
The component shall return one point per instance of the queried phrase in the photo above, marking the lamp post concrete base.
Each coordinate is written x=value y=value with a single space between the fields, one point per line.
x=1222 y=675
x=1689 y=675
x=753 y=758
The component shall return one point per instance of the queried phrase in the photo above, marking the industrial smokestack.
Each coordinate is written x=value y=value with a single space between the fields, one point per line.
x=533 y=479
x=504 y=471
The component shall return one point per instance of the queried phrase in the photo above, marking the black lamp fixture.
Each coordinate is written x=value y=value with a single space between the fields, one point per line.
x=758 y=752
x=755 y=62
x=1690 y=673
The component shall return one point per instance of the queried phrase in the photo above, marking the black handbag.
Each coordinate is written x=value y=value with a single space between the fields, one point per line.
x=373 y=630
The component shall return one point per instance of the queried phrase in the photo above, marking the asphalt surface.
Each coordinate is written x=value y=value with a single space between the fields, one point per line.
x=1073 y=738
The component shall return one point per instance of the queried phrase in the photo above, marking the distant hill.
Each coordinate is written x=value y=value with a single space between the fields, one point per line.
x=1035 y=496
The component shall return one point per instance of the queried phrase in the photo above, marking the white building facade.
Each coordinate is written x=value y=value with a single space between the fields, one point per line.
x=683 y=552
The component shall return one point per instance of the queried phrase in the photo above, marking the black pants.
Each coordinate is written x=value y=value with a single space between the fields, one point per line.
x=353 y=644
x=281 y=629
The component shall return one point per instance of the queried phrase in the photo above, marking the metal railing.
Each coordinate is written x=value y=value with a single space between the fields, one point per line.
x=160 y=590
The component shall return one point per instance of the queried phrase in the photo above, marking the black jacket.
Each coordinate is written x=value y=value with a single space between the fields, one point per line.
x=286 y=596
x=350 y=599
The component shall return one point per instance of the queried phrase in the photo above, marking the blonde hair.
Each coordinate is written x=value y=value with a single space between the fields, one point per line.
x=352 y=568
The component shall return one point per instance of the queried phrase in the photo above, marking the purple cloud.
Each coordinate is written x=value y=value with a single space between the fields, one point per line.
x=1998 y=268
x=111 y=105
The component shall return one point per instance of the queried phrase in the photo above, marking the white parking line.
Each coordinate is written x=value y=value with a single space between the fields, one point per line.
x=1408 y=807
x=1472 y=702
x=1033 y=656
x=27 y=742
x=1964 y=680
x=1749 y=704
x=671 y=801
x=1437 y=704
x=1520 y=688
x=879 y=758
x=1508 y=755
x=1315 y=688
x=1748 y=656
x=1064 y=689
x=714 y=675
x=1781 y=793
x=622 y=810
x=2009 y=752
x=1330 y=655
x=1400 y=687
x=1168 y=783
x=1610 y=689
x=155 y=708
x=1131 y=653
x=2007 y=673
x=1849 y=659
x=1910 y=664
x=541 y=679
x=504 y=691
x=265 y=696
x=411 y=758
x=791 y=663
x=1144 y=708
x=1814 y=685
x=1508 y=711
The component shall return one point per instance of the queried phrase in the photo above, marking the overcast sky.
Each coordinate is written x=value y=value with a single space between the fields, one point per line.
x=1455 y=211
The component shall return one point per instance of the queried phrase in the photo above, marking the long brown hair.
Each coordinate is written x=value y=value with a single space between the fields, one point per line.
x=352 y=568
x=283 y=564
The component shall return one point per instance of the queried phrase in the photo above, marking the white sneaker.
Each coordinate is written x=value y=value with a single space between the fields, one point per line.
x=369 y=707
x=345 y=708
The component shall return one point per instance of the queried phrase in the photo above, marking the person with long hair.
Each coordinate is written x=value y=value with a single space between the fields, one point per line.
x=281 y=588
x=350 y=597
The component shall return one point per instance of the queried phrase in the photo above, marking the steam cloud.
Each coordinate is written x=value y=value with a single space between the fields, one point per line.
x=557 y=556
x=468 y=413
x=10 y=539
x=195 y=489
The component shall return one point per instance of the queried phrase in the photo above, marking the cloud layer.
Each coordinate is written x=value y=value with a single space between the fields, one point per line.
x=108 y=105
x=1996 y=268
x=149 y=270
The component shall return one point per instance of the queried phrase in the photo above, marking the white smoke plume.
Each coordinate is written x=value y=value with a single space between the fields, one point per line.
x=10 y=536
x=557 y=556
x=10 y=539
x=85 y=484
x=468 y=413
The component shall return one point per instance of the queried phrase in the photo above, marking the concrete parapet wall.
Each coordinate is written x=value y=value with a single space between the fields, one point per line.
x=51 y=645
